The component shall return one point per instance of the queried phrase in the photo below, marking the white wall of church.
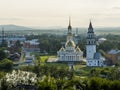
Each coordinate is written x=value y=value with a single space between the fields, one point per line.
x=90 y=50
x=71 y=56
x=95 y=62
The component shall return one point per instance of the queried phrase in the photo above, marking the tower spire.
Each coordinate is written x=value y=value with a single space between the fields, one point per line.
x=90 y=25
x=90 y=28
x=69 y=21
x=90 y=35
x=69 y=27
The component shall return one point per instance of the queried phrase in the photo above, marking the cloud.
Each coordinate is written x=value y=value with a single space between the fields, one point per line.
x=117 y=8
x=10 y=19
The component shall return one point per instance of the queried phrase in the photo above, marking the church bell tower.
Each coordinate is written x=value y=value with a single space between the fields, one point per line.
x=91 y=44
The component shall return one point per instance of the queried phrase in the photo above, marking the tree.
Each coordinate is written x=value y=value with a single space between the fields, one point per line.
x=18 y=78
x=47 y=83
x=105 y=72
x=6 y=64
x=95 y=72
x=2 y=74
x=4 y=43
x=95 y=84
x=17 y=46
x=3 y=55
x=107 y=45
x=118 y=45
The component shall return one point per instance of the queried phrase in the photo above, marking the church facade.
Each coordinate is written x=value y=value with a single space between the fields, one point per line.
x=93 y=58
x=71 y=52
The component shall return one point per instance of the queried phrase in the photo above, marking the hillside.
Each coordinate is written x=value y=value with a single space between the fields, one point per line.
x=57 y=30
x=12 y=27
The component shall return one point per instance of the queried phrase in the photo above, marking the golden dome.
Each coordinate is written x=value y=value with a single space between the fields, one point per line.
x=78 y=49
x=70 y=43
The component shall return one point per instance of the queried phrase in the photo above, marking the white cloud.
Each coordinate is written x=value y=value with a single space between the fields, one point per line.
x=56 y=12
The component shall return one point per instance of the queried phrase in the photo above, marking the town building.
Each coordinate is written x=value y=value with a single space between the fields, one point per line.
x=29 y=60
x=93 y=58
x=113 y=57
x=31 y=46
x=11 y=38
x=71 y=52
x=101 y=40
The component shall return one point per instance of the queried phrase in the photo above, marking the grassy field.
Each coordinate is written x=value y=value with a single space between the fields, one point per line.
x=44 y=58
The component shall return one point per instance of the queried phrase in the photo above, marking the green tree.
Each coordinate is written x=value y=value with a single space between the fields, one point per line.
x=4 y=43
x=95 y=84
x=6 y=64
x=3 y=55
x=95 y=72
x=17 y=46
x=2 y=74
x=47 y=84
x=107 y=45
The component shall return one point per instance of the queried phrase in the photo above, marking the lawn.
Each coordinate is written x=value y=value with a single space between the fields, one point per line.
x=44 y=58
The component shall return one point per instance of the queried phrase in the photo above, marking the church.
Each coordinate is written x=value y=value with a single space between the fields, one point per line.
x=93 y=58
x=71 y=52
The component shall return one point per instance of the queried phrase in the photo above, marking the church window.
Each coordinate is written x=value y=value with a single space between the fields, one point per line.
x=89 y=42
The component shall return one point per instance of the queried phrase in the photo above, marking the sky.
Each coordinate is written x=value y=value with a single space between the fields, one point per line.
x=49 y=13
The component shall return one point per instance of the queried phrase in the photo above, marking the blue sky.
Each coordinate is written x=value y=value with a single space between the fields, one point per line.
x=46 y=13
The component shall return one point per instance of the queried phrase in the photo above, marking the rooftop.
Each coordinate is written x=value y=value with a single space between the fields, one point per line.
x=114 y=51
